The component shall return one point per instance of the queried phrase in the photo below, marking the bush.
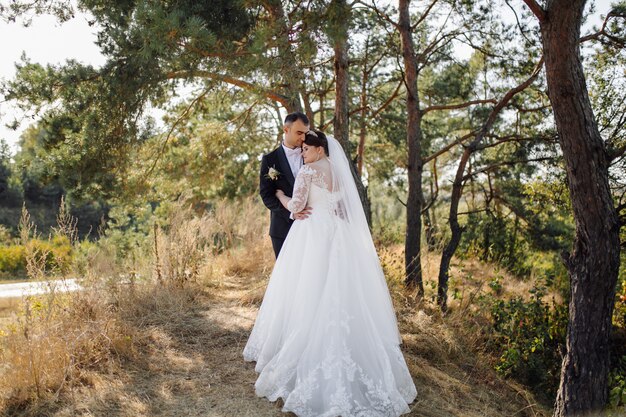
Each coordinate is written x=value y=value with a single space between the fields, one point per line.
x=617 y=384
x=497 y=239
x=530 y=337
x=57 y=252
x=12 y=259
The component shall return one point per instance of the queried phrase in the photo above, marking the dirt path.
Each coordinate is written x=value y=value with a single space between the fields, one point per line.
x=193 y=366
x=18 y=289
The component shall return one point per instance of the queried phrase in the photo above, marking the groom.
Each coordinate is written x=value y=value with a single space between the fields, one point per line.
x=278 y=172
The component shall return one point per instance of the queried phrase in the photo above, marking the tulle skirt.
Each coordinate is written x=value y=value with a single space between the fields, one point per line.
x=326 y=338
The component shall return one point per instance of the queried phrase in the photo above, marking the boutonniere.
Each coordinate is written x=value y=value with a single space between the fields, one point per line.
x=272 y=174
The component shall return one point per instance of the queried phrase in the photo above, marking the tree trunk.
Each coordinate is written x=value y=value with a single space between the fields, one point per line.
x=455 y=229
x=594 y=261
x=292 y=74
x=342 y=118
x=413 y=265
x=428 y=211
x=307 y=108
x=364 y=113
x=457 y=188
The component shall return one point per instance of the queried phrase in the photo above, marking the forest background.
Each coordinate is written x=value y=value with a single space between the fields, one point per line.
x=456 y=154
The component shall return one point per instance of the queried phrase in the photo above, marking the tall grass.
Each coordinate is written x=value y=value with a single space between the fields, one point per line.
x=55 y=341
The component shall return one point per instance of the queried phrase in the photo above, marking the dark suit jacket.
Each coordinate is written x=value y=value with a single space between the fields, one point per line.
x=279 y=220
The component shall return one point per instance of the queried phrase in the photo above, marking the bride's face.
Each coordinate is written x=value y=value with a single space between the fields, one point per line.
x=311 y=153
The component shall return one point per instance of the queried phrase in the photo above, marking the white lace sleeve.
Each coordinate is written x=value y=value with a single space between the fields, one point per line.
x=301 y=190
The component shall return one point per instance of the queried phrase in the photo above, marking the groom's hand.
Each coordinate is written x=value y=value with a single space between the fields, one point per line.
x=301 y=215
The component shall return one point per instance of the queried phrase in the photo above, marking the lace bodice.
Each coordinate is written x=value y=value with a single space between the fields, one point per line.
x=316 y=174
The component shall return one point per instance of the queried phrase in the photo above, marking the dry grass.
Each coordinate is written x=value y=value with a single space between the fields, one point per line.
x=139 y=346
x=191 y=365
x=446 y=354
x=53 y=337
x=53 y=343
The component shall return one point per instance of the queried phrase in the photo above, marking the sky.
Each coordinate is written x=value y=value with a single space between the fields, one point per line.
x=46 y=41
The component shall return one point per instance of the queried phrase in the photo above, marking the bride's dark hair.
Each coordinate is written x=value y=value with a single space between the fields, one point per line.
x=317 y=138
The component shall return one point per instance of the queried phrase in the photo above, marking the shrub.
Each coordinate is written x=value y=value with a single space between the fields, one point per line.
x=56 y=252
x=12 y=259
x=530 y=336
x=617 y=384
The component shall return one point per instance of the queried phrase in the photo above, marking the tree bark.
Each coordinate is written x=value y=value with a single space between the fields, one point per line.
x=364 y=112
x=413 y=267
x=292 y=75
x=342 y=119
x=430 y=222
x=594 y=261
x=342 y=116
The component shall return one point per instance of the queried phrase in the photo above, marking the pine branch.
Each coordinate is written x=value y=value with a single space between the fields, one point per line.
x=513 y=138
x=424 y=15
x=504 y=101
x=458 y=105
x=617 y=41
x=380 y=14
x=389 y=100
x=448 y=147
x=171 y=130
x=272 y=95
x=536 y=9
x=505 y=163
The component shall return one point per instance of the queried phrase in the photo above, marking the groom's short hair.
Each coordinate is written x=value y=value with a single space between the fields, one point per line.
x=297 y=115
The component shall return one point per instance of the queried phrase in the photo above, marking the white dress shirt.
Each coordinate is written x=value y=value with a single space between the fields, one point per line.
x=294 y=157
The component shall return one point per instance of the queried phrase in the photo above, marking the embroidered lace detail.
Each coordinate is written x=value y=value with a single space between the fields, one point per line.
x=351 y=389
x=317 y=174
x=347 y=378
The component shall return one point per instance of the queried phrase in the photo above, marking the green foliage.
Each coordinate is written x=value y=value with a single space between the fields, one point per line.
x=529 y=217
x=619 y=312
x=58 y=258
x=10 y=194
x=530 y=336
x=389 y=216
x=495 y=238
x=617 y=385
x=12 y=259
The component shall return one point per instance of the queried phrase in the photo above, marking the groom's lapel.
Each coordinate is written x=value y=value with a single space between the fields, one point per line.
x=284 y=165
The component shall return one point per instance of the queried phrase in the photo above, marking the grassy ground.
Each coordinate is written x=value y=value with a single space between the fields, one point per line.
x=7 y=307
x=190 y=364
x=158 y=348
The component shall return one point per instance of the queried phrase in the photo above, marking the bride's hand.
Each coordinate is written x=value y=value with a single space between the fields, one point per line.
x=279 y=193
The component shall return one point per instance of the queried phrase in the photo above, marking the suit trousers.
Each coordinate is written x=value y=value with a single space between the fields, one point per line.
x=277 y=244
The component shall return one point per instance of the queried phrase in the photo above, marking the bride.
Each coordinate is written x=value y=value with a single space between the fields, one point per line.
x=326 y=338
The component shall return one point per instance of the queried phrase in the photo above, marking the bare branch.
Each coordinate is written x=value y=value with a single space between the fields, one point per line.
x=504 y=101
x=458 y=105
x=602 y=32
x=434 y=193
x=462 y=213
x=272 y=95
x=517 y=20
x=512 y=138
x=536 y=9
x=448 y=147
x=505 y=163
x=615 y=153
x=380 y=13
x=389 y=100
x=424 y=15
x=169 y=133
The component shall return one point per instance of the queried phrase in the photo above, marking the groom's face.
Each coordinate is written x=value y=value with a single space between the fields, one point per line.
x=294 y=133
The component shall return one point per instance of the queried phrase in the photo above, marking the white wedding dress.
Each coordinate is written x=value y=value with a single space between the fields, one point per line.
x=326 y=338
